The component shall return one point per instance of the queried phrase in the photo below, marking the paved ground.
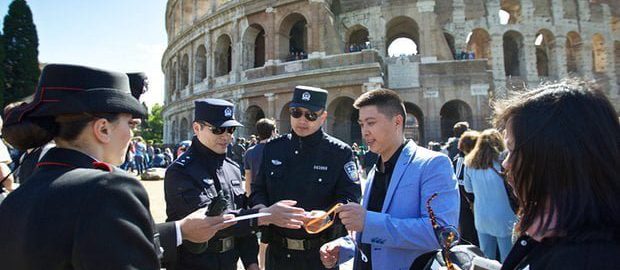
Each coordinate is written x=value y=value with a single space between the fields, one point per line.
x=155 y=190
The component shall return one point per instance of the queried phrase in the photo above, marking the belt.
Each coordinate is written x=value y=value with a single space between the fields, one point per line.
x=221 y=245
x=296 y=244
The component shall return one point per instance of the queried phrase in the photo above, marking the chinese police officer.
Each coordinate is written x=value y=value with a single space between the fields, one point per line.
x=204 y=178
x=311 y=168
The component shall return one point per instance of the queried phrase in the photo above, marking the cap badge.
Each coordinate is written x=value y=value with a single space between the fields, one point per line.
x=228 y=112
x=305 y=96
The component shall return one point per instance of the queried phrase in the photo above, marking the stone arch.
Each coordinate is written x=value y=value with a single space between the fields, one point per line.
x=293 y=36
x=252 y=115
x=223 y=55
x=342 y=120
x=357 y=38
x=545 y=54
x=177 y=19
x=175 y=132
x=402 y=27
x=200 y=69
x=184 y=71
x=202 y=8
x=188 y=13
x=570 y=9
x=599 y=54
x=173 y=81
x=574 y=53
x=336 y=7
x=513 y=8
x=184 y=129
x=514 y=57
x=452 y=112
x=479 y=42
x=254 y=47
x=414 y=124
x=284 y=124
x=542 y=8
x=451 y=43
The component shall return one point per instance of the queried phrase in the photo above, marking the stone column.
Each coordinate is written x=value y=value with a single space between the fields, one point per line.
x=427 y=45
x=271 y=105
x=208 y=57
x=584 y=10
x=271 y=47
x=191 y=69
x=610 y=52
x=527 y=10
x=458 y=19
x=586 y=57
x=559 y=51
x=557 y=11
x=499 y=72
x=235 y=52
x=529 y=53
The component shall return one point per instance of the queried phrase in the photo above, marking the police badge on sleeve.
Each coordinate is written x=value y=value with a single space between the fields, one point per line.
x=351 y=169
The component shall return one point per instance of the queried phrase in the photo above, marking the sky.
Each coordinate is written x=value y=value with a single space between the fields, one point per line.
x=118 y=35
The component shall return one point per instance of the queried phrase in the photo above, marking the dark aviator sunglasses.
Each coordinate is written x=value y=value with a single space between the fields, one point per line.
x=310 y=116
x=219 y=130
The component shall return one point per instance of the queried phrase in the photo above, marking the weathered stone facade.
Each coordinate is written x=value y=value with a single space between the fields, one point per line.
x=253 y=52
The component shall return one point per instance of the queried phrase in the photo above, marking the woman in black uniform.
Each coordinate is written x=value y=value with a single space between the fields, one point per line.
x=77 y=210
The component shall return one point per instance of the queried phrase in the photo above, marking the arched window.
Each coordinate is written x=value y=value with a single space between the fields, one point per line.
x=201 y=64
x=223 y=56
x=403 y=36
x=514 y=58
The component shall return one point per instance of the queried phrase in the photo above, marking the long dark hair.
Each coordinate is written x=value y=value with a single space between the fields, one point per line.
x=566 y=157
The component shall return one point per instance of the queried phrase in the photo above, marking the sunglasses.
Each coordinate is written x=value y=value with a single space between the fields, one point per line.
x=219 y=130
x=447 y=236
x=310 y=116
x=324 y=221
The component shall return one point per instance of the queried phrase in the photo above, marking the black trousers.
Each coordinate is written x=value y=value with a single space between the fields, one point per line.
x=207 y=260
x=466 y=219
x=278 y=258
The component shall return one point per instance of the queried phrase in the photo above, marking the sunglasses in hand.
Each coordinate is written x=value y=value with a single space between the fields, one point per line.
x=318 y=223
x=310 y=116
x=447 y=236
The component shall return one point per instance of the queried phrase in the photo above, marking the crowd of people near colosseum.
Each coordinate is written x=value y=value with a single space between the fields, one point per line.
x=538 y=190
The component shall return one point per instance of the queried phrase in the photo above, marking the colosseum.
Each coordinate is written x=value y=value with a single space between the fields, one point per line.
x=463 y=54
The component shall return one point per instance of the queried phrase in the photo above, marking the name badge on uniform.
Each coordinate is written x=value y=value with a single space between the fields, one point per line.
x=351 y=169
x=320 y=168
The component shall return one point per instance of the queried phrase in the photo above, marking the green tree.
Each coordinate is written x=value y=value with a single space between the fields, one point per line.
x=21 y=62
x=2 y=81
x=153 y=128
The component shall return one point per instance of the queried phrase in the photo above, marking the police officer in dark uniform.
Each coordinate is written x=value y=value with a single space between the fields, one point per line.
x=203 y=177
x=312 y=168
x=77 y=210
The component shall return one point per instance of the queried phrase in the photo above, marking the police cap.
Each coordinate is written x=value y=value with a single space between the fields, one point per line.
x=217 y=112
x=311 y=98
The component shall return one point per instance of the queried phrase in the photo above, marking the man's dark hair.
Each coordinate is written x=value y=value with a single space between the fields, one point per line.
x=387 y=101
x=459 y=128
x=264 y=128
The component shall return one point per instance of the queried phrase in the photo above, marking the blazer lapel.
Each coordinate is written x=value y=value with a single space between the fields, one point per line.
x=368 y=187
x=401 y=166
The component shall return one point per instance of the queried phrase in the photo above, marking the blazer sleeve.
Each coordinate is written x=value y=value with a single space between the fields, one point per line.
x=383 y=230
x=168 y=240
x=114 y=229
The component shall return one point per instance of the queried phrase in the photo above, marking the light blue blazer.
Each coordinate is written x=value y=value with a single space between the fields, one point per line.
x=403 y=230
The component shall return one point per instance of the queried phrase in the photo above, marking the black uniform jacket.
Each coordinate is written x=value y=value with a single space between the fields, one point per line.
x=595 y=249
x=317 y=171
x=76 y=213
x=190 y=184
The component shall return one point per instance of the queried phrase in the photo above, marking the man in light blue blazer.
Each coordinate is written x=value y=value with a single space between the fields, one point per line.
x=392 y=225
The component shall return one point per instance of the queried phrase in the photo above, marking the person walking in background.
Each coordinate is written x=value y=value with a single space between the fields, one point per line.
x=467 y=228
x=493 y=217
x=563 y=162
x=266 y=129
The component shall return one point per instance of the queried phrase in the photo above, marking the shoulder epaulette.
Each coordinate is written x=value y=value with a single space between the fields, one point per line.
x=183 y=160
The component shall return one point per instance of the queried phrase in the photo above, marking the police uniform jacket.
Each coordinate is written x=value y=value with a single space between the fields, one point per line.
x=190 y=184
x=317 y=171
x=76 y=213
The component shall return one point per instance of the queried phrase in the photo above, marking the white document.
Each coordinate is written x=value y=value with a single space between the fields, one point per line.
x=239 y=218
